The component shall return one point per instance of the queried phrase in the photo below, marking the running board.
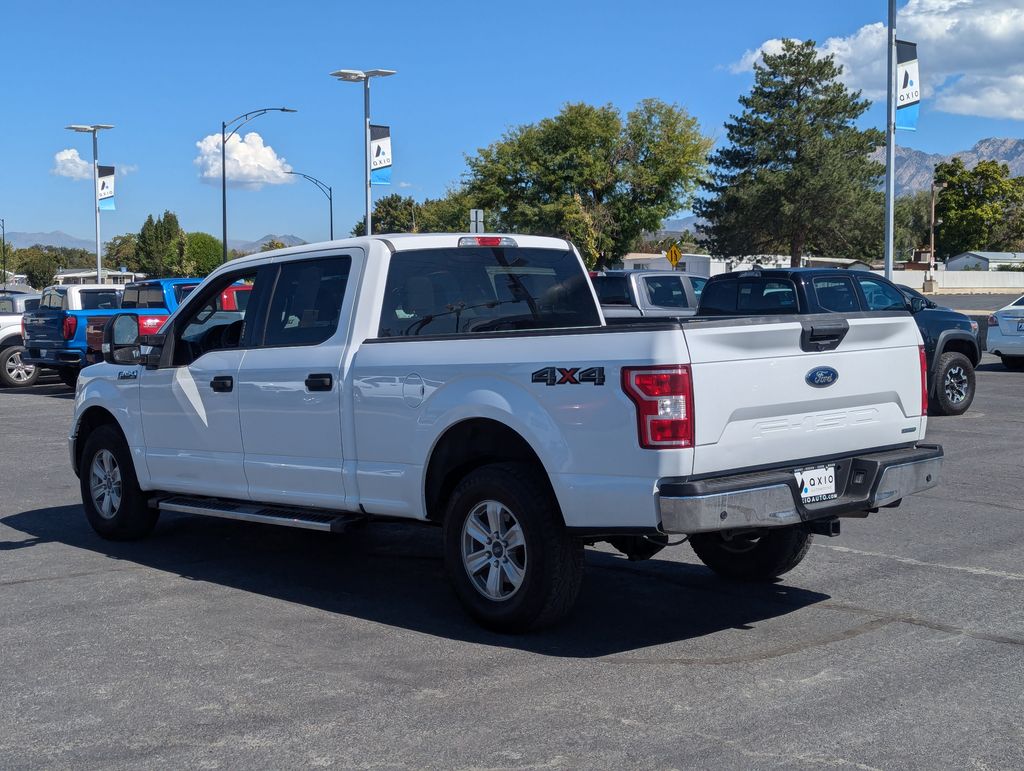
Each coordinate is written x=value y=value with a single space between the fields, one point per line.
x=309 y=519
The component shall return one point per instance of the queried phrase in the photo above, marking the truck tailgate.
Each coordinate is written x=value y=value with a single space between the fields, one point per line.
x=755 y=404
x=44 y=327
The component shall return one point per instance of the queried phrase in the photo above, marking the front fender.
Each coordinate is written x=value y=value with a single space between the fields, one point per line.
x=100 y=387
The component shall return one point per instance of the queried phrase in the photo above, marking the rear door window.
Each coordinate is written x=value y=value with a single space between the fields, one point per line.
x=665 y=291
x=307 y=301
x=880 y=296
x=698 y=285
x=836 y=293
x=466 y=290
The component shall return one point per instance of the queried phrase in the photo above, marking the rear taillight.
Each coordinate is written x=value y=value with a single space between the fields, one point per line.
x=24 y=339
x=993 y=321
x=924 y=380
x=70 y=327
x=664 y=404
x=150 y=325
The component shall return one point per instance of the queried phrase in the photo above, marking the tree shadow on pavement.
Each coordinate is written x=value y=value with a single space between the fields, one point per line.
x=393 y=574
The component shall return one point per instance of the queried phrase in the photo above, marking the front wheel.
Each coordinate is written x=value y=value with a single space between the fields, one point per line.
x=1013 y=363
x=513 y=565
x=954 y=384
x=753 y=555
x=13 y=369
x=114 y=504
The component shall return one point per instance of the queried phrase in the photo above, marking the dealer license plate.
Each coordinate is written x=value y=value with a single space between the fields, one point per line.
x=817 y=484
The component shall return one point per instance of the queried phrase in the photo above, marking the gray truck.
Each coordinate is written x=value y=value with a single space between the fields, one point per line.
x=656 y=294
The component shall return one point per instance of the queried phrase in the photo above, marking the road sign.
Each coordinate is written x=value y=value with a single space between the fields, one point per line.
x=476 y=220
x=672 y=255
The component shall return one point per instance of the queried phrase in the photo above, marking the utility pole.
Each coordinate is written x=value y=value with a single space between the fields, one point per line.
x=931 y=247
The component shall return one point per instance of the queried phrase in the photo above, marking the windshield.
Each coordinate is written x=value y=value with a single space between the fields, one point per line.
x=1019 y=301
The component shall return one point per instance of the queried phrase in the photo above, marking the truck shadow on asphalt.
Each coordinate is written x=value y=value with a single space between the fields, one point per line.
x=55 y=389
x=393 y=574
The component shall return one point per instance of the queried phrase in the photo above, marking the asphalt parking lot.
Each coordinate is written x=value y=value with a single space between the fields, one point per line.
x=220 y=644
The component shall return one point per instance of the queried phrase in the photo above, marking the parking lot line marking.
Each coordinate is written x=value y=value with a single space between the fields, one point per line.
x=921 y=563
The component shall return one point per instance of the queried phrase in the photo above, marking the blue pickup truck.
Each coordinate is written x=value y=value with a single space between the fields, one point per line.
x=64 y=332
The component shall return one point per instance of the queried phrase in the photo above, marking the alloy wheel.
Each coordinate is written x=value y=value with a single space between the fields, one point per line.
x=494 y=550
x=105 y=484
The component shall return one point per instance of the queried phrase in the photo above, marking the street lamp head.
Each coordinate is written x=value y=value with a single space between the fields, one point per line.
x=358 y=76
x=83 y=129
x=286 y=109
x=351 y=76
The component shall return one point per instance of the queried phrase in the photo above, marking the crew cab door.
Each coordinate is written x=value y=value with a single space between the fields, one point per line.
x=190 y=402
x=290 y=386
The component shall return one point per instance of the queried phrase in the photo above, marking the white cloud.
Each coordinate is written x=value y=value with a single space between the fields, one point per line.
x=250 y=163
x=405 y=185
x=68 y=163
x=127 y=168
x=970 y=54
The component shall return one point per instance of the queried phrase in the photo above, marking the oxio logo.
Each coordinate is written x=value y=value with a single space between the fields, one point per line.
x=821 y=377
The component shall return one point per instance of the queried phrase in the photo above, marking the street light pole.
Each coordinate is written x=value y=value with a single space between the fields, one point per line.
x=360 y=76
x=3 y=248
x=890 y=139
x=224 y=137
x=326 y=190
x=94 y=129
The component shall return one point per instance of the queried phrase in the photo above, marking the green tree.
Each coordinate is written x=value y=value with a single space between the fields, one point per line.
x=161 y=247
x=392 y=213
x=591 y=176
x=271 y=245
x=203 y=252
x=912 y=224
x=795 y=174
x=980 y=208
x=447 y=214
x=38 y=265
x=121 y=250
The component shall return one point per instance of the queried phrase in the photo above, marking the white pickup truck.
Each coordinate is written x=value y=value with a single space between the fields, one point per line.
x=471 y=382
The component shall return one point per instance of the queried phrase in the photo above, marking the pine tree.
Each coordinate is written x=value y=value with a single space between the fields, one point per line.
x=795 y=176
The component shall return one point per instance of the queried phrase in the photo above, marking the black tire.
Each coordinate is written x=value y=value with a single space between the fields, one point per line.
x=639 y=547
x=13 y=372
x=757 y=555
x=68 y=376
x=551 y=559
x=129 y=517
x=953 y=389
x=1013 y=363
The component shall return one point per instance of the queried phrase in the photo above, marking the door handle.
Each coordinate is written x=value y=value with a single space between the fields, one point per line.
x=222 y=383
x=319 y=382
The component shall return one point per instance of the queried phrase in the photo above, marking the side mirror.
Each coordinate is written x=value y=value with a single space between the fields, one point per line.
x=917 y=304
x=121 y=340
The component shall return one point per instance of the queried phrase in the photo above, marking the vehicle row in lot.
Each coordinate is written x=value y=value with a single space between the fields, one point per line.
x=471 y=382
x=1006 y=334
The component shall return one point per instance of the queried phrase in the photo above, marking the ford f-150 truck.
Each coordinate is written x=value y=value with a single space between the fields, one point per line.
x=152 y=301
x=55 y=333
x=470 y=381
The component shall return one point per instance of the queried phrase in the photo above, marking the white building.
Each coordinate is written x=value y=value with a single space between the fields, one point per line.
x=86 y=276
x=985 y=260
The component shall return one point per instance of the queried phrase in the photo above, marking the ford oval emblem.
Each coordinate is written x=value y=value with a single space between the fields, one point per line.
x=821 y=377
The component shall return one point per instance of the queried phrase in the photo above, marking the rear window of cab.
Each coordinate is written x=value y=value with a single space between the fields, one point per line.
x=748 y=296
x=466 y=290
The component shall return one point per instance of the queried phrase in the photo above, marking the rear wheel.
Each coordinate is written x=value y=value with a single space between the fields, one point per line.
x=1015 y=363
x=114 y=505
x=68 y=376
x=753 y=555
x=954 y=384
x=513 y=565
x=13 y=369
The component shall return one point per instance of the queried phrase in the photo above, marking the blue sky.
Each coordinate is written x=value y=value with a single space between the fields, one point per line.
x=166 y=75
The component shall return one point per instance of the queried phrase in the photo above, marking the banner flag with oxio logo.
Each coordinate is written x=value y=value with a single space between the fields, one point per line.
x=908 y=85
x=380 y=155
x=105 y=187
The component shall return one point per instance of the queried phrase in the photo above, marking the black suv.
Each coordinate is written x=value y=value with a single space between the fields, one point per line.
x=950 y=338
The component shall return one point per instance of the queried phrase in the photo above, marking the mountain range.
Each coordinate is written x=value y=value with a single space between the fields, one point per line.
x=914 y=168
x=248 y=247
x=21 y=240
